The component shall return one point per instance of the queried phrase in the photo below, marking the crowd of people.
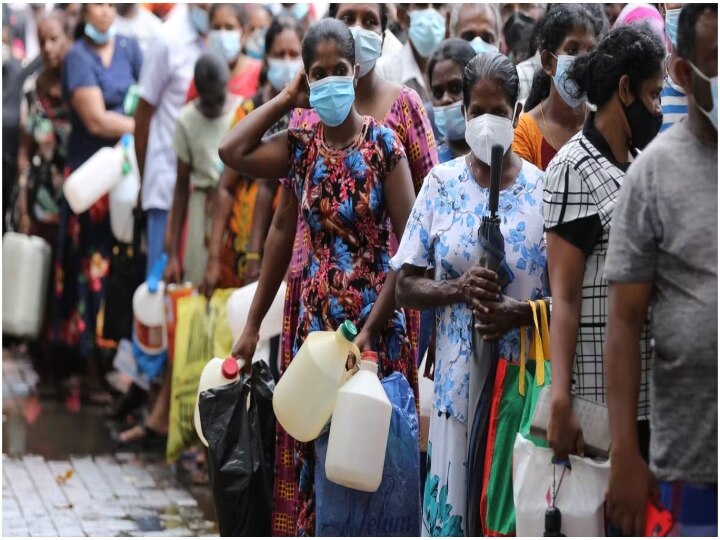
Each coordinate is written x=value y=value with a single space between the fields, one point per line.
x=347 y=153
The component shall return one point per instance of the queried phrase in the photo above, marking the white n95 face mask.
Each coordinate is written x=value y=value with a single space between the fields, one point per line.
x=484 y=131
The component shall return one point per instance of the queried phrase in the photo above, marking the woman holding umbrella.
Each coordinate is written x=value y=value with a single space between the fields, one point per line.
x=442 y=233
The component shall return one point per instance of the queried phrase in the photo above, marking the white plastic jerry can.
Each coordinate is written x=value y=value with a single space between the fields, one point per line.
x=217 y=372
x=238 y=309
x=304 y=397
x=25 y=274
x=98 y=175
x=359 y=430
x=149 y=327
x=123 y=197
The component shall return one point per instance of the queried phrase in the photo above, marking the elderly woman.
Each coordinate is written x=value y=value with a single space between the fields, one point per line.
x=443 y=234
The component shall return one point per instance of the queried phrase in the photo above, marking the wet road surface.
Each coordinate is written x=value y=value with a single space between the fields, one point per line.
x=64 y=476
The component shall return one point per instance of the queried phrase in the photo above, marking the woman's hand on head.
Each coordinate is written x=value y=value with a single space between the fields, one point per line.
x=298 y=91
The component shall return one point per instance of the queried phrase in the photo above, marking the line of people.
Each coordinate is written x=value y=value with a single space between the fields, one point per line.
x=358 y=173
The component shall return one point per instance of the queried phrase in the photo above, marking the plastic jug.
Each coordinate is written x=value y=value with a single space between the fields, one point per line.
x=359 y=430
x=123 y=197
x=217 y=372
x=150 y=333
x=98 y=175
x=304 y=397
x=238 y=308
x=25 y=273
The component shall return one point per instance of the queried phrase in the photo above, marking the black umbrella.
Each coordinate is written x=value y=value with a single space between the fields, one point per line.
x=485 y=353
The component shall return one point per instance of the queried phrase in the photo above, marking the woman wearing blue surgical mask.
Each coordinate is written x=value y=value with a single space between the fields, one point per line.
x=245 y=207
x=96 y=75
x=553 y=113
x=349 y=179
x=400 y=109
x=426 y=26
x=302 y=12
x=445 y=74
x=253 y=38
x=227 y=22
x=444 y=237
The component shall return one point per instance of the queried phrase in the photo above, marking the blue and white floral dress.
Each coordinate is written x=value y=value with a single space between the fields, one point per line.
x=442 y=233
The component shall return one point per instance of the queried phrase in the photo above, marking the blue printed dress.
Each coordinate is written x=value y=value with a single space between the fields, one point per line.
x=442 y=234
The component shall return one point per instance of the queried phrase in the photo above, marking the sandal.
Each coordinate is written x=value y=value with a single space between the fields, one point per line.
x=142 y=435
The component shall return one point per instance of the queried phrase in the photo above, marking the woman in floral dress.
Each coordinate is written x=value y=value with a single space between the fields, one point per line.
x=399 y=108
x=348 y=178
x=43 y=151
x=442 y=233
x=97 y=73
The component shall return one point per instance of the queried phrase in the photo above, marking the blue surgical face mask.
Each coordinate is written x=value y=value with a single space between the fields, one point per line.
x=368 y=48
x=300 y=11
x=567 y=88
x=255 y=45
x=671 y=25
x=332 y=98
x=101 y=38
x=226 y=43
x=427 y=30
x=450 y=121
x=281 y=72
x=200 y=19
x=479 y=45
x=712 y=114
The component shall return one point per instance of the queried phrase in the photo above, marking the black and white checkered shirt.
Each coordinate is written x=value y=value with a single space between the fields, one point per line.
x=581 y=188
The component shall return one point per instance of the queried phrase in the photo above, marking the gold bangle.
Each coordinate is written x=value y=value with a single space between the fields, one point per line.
x=253 y=256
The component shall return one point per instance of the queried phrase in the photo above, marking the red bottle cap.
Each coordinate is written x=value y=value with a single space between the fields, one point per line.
x=230 y=368
x=369 y=356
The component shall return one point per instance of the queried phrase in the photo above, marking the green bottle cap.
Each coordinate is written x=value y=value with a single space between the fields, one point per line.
x=348 y=331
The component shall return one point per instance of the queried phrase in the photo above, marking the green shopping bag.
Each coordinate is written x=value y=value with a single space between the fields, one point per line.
x=515 y=395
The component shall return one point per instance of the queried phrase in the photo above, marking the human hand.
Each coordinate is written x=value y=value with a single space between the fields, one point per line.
x=564 y=432
x=298 y=91
x=173 y=270
x=211 y=278
x=245 y=348
x=364 y=342
x=252 y=270
x=478 y=284
x=495 y=319
x=24 y=223
x=631 y=486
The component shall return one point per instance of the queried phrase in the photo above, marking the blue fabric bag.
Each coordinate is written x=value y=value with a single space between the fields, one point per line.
x=395 y=508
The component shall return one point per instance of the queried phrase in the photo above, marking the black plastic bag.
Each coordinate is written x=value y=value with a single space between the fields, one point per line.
x=238 y=422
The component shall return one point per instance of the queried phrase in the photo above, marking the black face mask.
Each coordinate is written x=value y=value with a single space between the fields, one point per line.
x=644 y=125
x=518 y=32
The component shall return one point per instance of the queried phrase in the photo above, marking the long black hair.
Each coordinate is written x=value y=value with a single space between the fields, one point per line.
x=333 y=10
x=492 y=66
x=633 y=50
x=80 y=28
x=328 y=30
x=456 y=50
x=553 y=28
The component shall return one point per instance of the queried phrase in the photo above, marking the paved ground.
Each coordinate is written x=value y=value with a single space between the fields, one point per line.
x=62 y=475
